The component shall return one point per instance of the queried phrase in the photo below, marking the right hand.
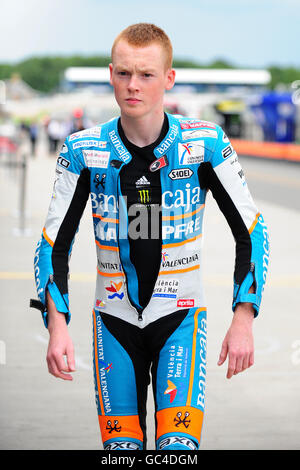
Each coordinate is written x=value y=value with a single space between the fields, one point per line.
x=60 y=345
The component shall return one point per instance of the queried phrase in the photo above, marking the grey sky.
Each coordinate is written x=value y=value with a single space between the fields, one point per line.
x=253 y=33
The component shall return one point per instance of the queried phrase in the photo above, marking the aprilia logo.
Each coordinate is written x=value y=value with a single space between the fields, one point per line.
x=185 y=303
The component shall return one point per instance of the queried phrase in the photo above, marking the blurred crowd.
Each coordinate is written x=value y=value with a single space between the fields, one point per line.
x=57 y=129
x=52 y=128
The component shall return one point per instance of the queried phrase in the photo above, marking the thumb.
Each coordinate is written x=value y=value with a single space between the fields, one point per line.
x=223 y=353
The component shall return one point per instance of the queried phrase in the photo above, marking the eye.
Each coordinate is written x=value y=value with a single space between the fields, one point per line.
x=147 y=75
x=122 y=73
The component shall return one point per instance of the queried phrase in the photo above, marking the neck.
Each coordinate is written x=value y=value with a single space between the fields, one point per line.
x=143 y=130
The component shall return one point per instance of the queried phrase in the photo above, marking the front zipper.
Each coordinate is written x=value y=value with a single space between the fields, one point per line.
x=139 y=314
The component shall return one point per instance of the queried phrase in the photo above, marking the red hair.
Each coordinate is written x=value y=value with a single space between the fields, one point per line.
x=144 y=34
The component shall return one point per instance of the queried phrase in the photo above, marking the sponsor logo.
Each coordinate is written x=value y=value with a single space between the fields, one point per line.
x=181 y=418
x=227 y=151
x=241 y=174
x=99 y=181
x=86 y=143
x=180 y=173
x=198 y=133
x=177 y=440
x=99 y=303
x=36 y=267
x=63 y=162
x=115 y=163
x=110 y=427
x=178 y=366
x=96 y=158
x=111 y=266
x=186 y=228
x=180 y=261
x=142 y=181
x=171 y=391
x=266 y=248
x=102 y=144
x=144 y=196
x=104 y=367
x=190 y=153
x=114 y=289
x=196 y=125
x=166 y=288
x=169 y=140
x=184 y=198
x=106 y=202
x=126 y=445
x=123 y=153
x=92 y=132
x=158 y=164
x=202 y=330
x=185 y=303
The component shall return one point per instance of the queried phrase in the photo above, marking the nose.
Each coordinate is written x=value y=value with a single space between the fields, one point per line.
x=133 y=83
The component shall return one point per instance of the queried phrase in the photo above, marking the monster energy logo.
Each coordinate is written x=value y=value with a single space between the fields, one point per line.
x=144 y=196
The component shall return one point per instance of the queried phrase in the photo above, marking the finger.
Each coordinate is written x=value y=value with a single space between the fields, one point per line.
x=71 y=359
x=239 y=365
x=53 y=370
x=59 y=367
x=61 y=363
x=223 y=354
x=231 y=365
x=246 y=362
x=251 y=359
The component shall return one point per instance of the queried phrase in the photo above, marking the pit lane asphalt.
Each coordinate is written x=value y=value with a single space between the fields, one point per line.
x=258 y=409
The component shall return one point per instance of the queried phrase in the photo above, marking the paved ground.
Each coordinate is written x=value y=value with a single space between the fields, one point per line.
x=259 y=409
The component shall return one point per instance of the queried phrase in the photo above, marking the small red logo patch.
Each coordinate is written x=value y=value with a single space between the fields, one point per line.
x=185 y=303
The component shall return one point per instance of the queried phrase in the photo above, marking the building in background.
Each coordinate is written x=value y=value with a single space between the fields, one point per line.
x=191 y=80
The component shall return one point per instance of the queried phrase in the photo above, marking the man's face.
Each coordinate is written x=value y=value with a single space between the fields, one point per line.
x=139 y=78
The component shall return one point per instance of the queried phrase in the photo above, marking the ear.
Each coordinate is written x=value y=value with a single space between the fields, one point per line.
x=170 y=79
x=110 y=73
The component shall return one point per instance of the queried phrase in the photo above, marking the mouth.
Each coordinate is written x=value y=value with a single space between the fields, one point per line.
x=132 y=100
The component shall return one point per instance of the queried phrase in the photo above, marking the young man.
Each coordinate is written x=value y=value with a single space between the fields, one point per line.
x=148 y=173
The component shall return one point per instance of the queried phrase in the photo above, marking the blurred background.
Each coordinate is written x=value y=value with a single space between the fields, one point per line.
x=237 y=64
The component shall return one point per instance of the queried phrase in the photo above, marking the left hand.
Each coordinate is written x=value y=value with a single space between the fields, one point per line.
x=238 y=344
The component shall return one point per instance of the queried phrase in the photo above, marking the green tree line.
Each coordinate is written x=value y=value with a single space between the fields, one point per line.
x=44 y=73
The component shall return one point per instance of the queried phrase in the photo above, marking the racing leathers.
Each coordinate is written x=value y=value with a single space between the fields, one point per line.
x=167 y=334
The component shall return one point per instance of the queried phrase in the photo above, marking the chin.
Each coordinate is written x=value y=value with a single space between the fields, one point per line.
x=132 y=111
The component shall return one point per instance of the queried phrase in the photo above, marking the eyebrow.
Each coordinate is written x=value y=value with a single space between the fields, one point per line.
x=140 y=70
